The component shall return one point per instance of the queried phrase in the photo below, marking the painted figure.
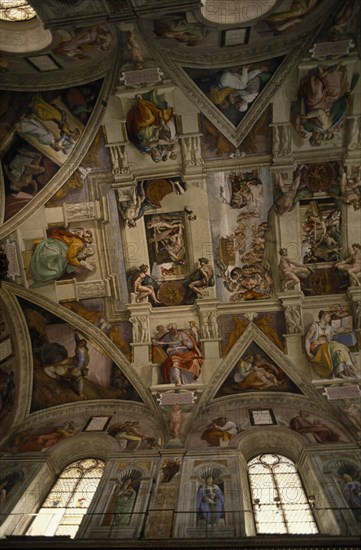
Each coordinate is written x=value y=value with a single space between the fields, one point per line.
x=43 y=441
x=52 y=112
x=72 y=369
x=179 y=29
x=285 y=202
x=175 y=420
x=350 y=188
x=132 y=210
x=202 y=278
x=128 y=432
x=351 y=490
x=22 y=169
x=30 y=127
x=219 y=432
x=210 y=502
x=125 y=497
x=167 y=234
x=151 y=128
x=293 y=319
x=283 y=20
x=352 y=265
x=184 y=362
x=329 y=357
x=321 y=230
x=61 y=252
x=82 y=42
x=322 y=104
x=238 y=89
x=291 y=272
x=255 y=372
x=319 y=431
x=143 y=285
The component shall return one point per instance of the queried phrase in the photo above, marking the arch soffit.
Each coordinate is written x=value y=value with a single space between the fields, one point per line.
x=21 y=341
x=262 y=440
x=94 y=445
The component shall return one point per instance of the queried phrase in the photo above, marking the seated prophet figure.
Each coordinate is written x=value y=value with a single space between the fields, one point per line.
x=329 y=357
x=61 y=252
x=184 y=360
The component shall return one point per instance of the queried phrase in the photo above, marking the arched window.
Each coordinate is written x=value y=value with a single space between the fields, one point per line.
x=68 y=500
x=279 y=501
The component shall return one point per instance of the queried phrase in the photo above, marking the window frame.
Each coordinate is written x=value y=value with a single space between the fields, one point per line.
x=54 y=515
x=282 y=506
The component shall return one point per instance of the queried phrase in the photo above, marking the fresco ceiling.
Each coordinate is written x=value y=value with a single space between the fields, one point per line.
x=180 y=221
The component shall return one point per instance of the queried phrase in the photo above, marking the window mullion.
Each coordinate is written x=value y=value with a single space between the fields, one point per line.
x=280 y=500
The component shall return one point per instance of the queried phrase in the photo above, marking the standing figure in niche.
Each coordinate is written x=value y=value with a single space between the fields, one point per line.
x=125 y=497
x=351 y=490
x=352 y=265
x=184 y=362
x=210 y=502
x=330 y=358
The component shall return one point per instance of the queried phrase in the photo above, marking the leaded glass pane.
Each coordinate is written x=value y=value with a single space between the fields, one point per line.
x=68 y=500
x=75 y=473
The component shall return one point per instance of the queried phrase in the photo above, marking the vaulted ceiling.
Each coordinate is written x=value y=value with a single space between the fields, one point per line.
x=171 y=133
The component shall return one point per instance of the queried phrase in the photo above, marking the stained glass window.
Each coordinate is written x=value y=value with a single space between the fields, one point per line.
x=16 y=10
x=68 y=501
x=279 y=501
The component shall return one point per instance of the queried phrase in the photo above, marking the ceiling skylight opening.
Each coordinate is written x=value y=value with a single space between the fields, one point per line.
x=229 y=12
x=16 y=10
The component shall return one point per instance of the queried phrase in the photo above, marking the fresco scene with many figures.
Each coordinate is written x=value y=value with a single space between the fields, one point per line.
x=180 y=270
x=239 y=216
